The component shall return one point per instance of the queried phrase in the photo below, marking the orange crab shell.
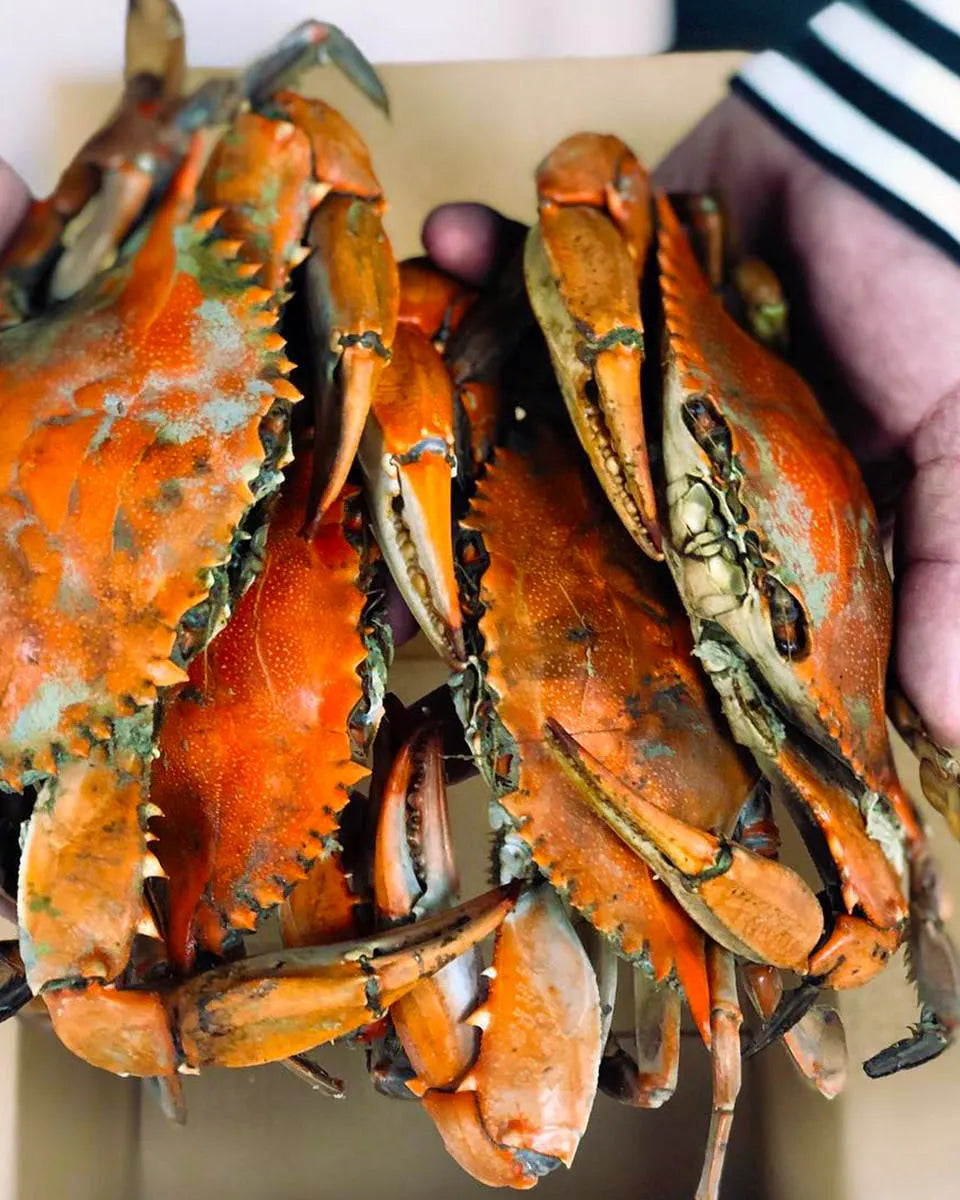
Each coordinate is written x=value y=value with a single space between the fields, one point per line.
x=256 y=752
x=131 y=418
x=576 y=623
x=802 y=487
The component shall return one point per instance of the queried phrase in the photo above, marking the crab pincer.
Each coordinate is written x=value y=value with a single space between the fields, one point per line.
x=299 y=186
x=480 y=1063
x=110 y=179
x=582 y=283
x=269 y=1007
x=756 y=908
x=408 y=458
x=415 y=875
x=583 y=261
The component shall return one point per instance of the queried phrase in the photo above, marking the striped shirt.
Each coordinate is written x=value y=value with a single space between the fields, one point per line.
x=872 y=89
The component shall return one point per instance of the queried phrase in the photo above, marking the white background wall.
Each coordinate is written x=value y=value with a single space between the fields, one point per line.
x=46 y=43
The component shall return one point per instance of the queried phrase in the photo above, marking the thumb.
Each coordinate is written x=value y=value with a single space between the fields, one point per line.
x=470 y=241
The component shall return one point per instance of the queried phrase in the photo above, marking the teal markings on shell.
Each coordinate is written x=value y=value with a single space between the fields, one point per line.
x=133 y=417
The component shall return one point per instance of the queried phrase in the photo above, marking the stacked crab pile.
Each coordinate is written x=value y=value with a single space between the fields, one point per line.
x=193 y=596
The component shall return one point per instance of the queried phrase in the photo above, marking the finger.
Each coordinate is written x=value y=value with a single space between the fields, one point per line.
x=470 y=241
x=14 y=199
x=928 y=633
x=403 y=624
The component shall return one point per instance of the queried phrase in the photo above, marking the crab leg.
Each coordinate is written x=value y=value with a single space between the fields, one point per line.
x=113 y=173
x=87 y=826
x=407 y=455
x=266 y=1008
x=757 y=909
x=323 y=908
x=750 y=289
x=934 y=960
x=606 y=967
x=650 y=1079
x=939 y=767
x=762 y=302
x=816 y=1043
x=701 y=215
x=725 y=1021
x=858 y=946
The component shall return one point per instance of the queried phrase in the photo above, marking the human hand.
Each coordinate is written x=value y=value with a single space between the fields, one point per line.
x=14 y=199
x=872 y=304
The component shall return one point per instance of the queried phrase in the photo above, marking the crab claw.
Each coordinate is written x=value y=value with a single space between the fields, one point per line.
x=87 y=826
x=583 y=290
x=106 y=187
x=754 y=907
x=408 y=456
x=582 y=263
x=524 y=1105
x=277 y=1005
x=123 y=196
x=271 y=1007
x=352 y=289
x=420 y=879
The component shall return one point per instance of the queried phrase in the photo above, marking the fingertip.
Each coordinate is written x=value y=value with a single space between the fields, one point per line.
x=928 y=646
x=402 y=622
x=463 y=239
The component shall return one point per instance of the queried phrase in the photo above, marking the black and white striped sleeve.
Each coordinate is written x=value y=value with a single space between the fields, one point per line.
x=872 y=89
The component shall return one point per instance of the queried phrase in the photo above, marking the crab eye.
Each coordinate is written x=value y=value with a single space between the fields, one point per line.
x=709 y=431
x=786 y=619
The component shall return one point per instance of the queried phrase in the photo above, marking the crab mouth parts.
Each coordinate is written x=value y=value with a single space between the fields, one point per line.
x=414 y=571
